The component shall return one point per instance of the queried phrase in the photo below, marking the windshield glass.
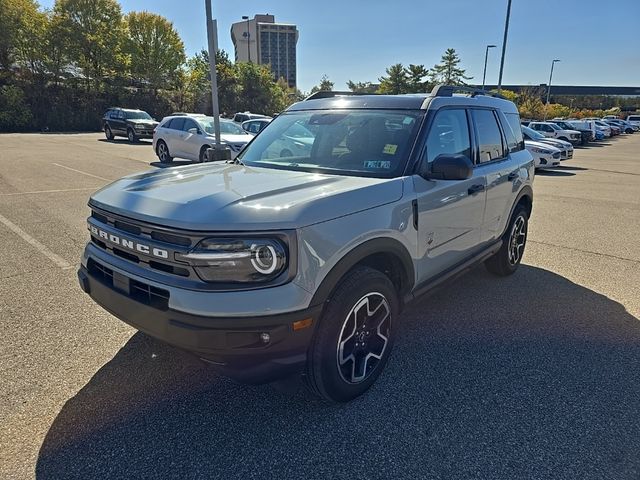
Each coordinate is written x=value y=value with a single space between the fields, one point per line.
x=533 y=134
x=371 y=143
x=137 y=116
x=225 y=126
x=554 y=126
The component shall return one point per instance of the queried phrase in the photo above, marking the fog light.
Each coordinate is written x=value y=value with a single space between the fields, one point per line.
x=265 y=337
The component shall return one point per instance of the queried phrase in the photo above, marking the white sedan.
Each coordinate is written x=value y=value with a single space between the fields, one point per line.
x=544 y=155
x=189 y=137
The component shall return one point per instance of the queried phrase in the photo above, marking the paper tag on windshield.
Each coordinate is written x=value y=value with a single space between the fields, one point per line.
x=390 y=149
x=386 y=164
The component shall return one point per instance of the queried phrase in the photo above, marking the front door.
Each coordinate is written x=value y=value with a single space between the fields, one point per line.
x=450 y=212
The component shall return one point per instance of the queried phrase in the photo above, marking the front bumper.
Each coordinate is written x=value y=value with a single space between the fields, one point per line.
x=235 y=345
x=144 y=133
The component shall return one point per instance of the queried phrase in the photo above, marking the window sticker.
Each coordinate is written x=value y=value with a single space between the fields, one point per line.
x=378 y=164
x=390 y=149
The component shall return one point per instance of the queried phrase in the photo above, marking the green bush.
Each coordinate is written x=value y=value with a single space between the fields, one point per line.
x=14 y=111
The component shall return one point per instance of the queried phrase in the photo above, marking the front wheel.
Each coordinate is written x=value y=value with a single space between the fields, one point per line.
x=507 y=260
x=203 y=154
x=354 y=337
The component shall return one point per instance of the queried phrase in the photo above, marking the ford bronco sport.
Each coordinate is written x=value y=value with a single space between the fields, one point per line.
x=301 y=263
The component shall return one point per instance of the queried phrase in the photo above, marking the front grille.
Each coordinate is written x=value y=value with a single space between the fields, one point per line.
x=140 y=292
x=170 y=238
x=127 y=227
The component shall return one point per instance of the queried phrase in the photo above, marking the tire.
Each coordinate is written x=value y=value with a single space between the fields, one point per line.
x=131 y=135
x=163 y=152
x=203 y=154
x=344 y=360
x=507 y=260
x=108 y=133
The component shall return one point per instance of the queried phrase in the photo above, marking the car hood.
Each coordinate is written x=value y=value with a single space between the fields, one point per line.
x=235 y=197
x=143 y=121
x=546 y=146
x=233 y=138
x=555 y=142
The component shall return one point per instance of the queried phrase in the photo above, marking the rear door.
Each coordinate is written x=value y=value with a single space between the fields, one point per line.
x=117 y=122
x=450 y=212
x=497 y=146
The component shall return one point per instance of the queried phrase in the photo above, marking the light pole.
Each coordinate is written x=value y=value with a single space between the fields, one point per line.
x=486 y=54
x=504 y=44
x=244 y=17
x=549 y=89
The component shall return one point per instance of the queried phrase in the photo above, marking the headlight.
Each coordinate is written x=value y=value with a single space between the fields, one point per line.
x=232 y=260
x=540 y=150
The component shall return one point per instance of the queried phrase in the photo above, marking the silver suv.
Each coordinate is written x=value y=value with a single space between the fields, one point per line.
x=301 y=262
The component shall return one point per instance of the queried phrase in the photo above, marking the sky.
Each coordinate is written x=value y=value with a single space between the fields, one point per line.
x=597 y=41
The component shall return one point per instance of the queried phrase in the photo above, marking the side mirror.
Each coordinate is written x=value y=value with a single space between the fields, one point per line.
x=450 y=167
x=194 y=131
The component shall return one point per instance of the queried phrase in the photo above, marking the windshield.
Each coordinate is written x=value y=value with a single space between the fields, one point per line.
x=372 y=143
x=137 y=116
x=533 y=134
x=554 y=126
x=225 y=126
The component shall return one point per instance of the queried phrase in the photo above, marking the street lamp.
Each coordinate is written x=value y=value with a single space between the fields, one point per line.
x=248 y=35
x=486 y=54
x=549 y=88
x=504 y=44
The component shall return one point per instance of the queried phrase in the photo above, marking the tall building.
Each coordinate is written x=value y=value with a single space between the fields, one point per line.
x=262 y=40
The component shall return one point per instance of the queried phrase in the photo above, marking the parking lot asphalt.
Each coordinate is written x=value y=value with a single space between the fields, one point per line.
x=532 y=376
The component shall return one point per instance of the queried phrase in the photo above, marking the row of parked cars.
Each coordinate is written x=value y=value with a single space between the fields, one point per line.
x=551 y=142
x=189 y=135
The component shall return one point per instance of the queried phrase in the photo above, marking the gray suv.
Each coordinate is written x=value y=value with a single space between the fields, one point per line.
x=301 y=262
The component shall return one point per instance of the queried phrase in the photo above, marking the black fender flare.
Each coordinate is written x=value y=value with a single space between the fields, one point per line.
x=382 y=245
x=526 y=191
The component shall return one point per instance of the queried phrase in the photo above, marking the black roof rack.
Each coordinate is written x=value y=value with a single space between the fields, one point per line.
x=331 y=94
x=449 y=90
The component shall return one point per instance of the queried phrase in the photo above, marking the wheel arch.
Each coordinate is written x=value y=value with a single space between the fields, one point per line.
x=386 y=255
x=524 y=198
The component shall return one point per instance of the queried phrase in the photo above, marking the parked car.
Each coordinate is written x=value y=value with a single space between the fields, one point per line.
x=549 y=129
x=244 y=116
x=583 y=126
x=544 y=155
x=586 y=135
x=189 y=137
x=610 y=117
x=566 y=148
x=126 y=122
x=254 y=126
x=606 y=128
x=302 y=265
x=621 y=124
x=634 y=119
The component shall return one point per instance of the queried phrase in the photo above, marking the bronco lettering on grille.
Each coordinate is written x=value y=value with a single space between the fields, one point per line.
x=129 y=244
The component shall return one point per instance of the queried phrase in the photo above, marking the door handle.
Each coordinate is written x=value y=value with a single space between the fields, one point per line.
x=512 y=176
x=473 y=189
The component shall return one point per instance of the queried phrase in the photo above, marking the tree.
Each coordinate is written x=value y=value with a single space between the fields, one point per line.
x=154 y=48
x=92 y=32
x=448 y=71
x=258 y=92
x=325 y=85
x=396 y=81
x=416 y=75
x=361 y=87
x=19 y=20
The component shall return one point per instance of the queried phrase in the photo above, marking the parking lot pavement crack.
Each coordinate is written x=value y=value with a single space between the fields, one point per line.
x=591 y=252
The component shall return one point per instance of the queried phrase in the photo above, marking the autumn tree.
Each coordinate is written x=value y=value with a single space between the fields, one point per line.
x=448 y=71
x=153 y=47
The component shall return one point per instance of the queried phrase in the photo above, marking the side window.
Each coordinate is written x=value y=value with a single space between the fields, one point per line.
x=547 y=128
x=188 y=124
x=489 y=138
x=176 y=124
x=120 y=114
x=513 y=130
x=253 y=127
x=449 y=134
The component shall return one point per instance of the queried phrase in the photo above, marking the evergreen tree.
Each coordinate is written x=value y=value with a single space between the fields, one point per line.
x=396 y=81
x=448 y=72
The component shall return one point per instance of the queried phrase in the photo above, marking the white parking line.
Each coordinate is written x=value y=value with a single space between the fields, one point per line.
x=35 y=192
x=83 y=173
x=58 y=260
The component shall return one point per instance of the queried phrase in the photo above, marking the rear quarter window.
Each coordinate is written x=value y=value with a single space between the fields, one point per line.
x=515 y=140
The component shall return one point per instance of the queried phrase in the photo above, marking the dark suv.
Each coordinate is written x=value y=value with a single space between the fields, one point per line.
x=124 y=122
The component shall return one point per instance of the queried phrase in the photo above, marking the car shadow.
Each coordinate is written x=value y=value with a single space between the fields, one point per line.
x=566 y=167
x=529 y=376
x=141 y=142
x=553 y=173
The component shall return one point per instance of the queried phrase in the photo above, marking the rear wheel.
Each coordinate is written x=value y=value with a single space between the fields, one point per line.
x=355 y=336
x=163 y=152
x=131 y=135
x=108 y=133
x=507 y=260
